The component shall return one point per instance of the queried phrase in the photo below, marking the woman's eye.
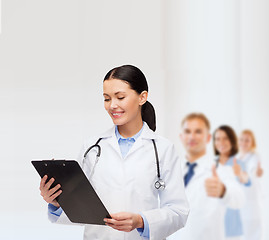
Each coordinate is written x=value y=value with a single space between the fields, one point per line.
x=120 y=98
x=106 y=99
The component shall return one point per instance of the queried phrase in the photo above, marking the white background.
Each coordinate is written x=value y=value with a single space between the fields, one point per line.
x=199 y=55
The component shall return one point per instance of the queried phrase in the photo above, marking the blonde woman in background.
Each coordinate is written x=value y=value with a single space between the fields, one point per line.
x=251 y=213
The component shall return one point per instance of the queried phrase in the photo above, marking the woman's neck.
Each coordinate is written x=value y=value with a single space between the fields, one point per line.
x=242 y=154
x=223 y=158
x=130 y=129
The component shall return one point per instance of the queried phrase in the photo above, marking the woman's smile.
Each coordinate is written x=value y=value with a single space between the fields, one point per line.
x=117 y=114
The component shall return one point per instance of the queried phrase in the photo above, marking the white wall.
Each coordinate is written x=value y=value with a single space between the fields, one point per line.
x=197 y=56
x=53 y=57
x=217 y=61
x=202 y=61
x=255 y=82
x=0 y=16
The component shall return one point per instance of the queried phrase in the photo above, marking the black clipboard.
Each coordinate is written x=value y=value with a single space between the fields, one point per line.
x=78 y=199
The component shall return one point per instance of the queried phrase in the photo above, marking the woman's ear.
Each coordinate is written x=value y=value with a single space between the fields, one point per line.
x=143 y=97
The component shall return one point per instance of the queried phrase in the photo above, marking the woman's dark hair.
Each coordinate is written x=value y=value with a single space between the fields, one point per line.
x=137 y=81
x=231 y=136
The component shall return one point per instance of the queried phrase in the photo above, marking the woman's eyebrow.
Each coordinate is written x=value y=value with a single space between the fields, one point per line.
x=116 y=93
x=119 y=92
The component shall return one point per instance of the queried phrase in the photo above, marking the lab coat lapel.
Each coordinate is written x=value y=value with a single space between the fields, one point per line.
x=147 y=134
x=198 y=172
x=111 y=139
x=203 y=164
x=138 y=144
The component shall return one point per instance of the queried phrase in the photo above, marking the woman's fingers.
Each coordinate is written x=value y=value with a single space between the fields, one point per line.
x=124 y=221
x=53 y=190
x=49 y=194
x=52 y=197
x=53 y=194
x=125 y=225
x=49 y=183
x=45 y=186
x=124 y=228
x=43 y=182
x=117 y=222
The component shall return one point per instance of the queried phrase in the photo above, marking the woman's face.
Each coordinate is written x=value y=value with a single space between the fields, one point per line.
x=222 y=143
x=245 y=143
x=122 y=103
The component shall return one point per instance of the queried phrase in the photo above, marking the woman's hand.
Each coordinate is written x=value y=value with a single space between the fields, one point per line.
x=48 y=194
x=242 y=176
x=259 y=171
x=236 y=168
x=124 y=221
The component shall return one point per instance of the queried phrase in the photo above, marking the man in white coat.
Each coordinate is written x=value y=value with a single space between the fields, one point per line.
x=210 y=188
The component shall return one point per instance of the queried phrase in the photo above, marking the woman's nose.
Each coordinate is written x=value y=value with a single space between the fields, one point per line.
x=113 y=104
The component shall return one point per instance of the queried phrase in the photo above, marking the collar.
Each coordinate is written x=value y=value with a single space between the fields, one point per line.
x=204 y=161
x=146 y=132
x=228 y=162
x=133 y=137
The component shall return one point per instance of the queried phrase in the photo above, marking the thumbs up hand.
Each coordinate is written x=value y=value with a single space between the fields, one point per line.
x=238 y=172
x=236 y=168
x=214 y=172
x=259 y=171
x=213 y=185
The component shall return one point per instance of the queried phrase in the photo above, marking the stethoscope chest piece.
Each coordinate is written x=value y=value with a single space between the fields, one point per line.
x=160 y=184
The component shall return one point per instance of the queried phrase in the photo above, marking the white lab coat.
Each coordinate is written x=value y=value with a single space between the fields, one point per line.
x=127 y=185
x=251 y=212
x=206 y=218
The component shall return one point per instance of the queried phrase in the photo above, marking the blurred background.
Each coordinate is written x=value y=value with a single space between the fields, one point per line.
x=210 y=56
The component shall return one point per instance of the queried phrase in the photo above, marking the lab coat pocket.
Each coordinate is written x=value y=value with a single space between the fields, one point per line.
x=145 y=192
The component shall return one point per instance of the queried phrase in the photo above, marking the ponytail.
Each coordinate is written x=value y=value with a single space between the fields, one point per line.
x=148 y=115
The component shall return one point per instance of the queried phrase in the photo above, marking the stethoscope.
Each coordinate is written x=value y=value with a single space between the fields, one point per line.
x=159 y=184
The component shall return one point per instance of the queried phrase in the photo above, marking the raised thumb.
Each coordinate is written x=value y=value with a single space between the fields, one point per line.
x=214 y=171
x=234 y=161
x=259 y=164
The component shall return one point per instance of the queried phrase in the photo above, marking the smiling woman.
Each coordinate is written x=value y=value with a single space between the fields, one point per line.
x=124 y=105
x=125 y=172
x=132 y=84
x=252 y=211
x=226 y=147
x=126 y=99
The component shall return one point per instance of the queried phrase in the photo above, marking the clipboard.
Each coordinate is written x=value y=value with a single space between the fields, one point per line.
x=78 y=199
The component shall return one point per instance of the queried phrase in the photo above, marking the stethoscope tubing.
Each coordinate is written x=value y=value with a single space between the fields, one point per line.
x=93 y=146
x=159 y=184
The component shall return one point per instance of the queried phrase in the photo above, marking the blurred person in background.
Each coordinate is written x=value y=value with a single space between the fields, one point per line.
x=226 y=148
x=209 y=190
x=251 y=213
